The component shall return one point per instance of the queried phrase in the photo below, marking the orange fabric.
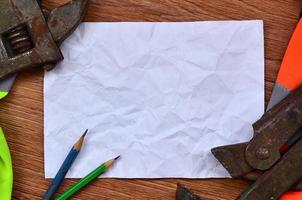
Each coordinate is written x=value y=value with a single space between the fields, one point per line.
x=292 y=196
x=290 y=74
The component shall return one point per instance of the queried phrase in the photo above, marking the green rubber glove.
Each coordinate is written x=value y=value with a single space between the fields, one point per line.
x=3 y=94
x=5 y=86
x=6 y=170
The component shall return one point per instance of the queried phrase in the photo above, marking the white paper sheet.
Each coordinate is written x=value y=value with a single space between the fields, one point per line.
x=161 y=95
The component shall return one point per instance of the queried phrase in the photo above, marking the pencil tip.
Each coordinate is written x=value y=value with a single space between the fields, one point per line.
x=117 y=158
x=80 y=141
x=84 y=134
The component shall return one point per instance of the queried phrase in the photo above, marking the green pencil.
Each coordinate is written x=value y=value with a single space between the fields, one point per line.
x=86 y=180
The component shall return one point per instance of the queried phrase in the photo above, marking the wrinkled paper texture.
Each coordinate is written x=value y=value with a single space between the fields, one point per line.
x=161 y=95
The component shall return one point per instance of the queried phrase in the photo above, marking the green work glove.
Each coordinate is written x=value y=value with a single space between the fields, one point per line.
x=5 y=86
x=6 y=170
x=3 y=94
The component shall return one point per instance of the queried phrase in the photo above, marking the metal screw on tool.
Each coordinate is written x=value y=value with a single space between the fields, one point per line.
x=263 y=153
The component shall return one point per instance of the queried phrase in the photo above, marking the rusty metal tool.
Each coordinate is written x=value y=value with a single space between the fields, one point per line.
x=30 y=36
x=276 y=173
x=183 y=193
x=273 y=157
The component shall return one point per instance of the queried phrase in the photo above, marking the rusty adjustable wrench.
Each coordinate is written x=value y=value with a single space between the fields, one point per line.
x=30 y=36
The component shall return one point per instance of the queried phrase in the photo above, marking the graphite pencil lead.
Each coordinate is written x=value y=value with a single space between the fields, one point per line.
x=117 y=157
x=84 y=134
x=77 y=146
x=109 y=163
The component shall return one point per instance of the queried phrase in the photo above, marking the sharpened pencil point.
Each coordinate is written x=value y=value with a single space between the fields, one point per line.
x=84 y=134
x=87 y=179
x=109 y=163
x=117 y=158
x=79 y=143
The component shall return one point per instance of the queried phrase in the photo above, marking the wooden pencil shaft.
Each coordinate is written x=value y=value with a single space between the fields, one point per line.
x=82 y=183
x=70 y=158
x=61 y=174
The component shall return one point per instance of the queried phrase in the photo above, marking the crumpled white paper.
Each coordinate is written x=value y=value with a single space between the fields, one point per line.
x=161 y=95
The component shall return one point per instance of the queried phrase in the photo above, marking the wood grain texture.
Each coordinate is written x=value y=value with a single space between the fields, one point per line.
x=21 y=114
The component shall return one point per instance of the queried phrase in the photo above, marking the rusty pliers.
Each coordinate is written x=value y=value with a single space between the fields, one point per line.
x=30 y=36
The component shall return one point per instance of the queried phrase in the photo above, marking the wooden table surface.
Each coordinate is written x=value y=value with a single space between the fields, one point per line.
x=21 y=114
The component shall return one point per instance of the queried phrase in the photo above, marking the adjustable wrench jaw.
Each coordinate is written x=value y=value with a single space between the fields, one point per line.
x=30 y=36
x=62 y=21
x=25 y=38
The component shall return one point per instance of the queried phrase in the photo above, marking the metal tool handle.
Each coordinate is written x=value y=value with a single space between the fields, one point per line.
x=273 y=130
x=273 y=183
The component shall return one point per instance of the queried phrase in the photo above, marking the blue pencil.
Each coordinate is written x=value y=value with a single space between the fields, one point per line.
x=64 y=168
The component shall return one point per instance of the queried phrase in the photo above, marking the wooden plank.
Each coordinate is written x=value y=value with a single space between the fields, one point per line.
x=22 y=112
